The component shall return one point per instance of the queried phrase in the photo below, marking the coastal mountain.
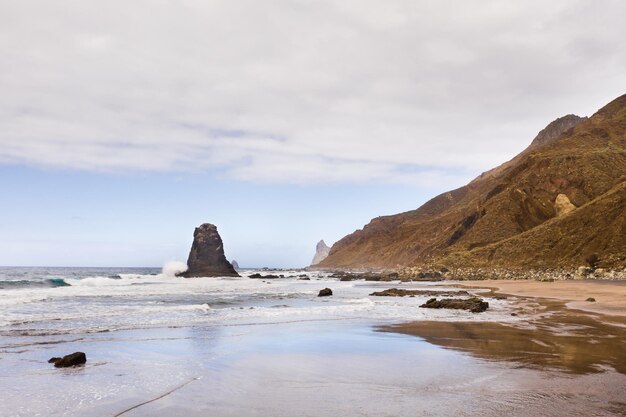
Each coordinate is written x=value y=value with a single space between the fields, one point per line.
x=206 y=258
x=321 y=252
x=558 y=202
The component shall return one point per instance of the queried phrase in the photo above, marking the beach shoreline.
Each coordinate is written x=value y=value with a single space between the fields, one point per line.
x=609 y=295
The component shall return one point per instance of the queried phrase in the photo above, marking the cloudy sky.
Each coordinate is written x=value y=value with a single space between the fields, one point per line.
x=124 y=124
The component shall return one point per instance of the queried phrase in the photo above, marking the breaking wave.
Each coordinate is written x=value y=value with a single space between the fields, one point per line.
x=46 y=283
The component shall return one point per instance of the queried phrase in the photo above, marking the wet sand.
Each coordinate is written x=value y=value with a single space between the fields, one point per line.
x=558 y=332
x=610 y=296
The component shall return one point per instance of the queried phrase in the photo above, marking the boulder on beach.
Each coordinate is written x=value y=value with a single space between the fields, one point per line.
x=74 y=359
x=325 y=292
x=206 y=258
x=474 y=304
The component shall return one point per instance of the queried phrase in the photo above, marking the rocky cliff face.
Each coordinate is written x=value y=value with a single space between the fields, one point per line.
x=553 y=205
x=206 y=258
x=556 y=129
x=321 y=252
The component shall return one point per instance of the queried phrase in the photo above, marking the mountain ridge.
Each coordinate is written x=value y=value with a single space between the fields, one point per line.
x=580 y=158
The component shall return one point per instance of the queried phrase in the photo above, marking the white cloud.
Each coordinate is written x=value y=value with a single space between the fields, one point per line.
x=295 y=91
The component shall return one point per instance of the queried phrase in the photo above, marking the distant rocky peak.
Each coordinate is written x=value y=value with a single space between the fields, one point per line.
x=321 y=252
x=555 y=129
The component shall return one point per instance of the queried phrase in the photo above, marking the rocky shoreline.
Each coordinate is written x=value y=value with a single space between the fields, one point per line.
x=425 y=273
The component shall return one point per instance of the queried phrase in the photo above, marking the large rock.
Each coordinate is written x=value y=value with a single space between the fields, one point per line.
x=206 y=258
x=321 y=252
x=73 y=359
x=325 y=292
x=475 y=305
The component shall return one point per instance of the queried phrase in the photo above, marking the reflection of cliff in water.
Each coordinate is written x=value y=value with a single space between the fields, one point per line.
x=574 y=343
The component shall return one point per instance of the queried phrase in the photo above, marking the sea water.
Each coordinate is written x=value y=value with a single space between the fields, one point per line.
x=61 y=301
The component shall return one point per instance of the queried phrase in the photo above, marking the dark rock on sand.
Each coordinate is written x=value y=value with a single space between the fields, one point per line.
x=268 y=276
x=305 y=279
x=325 y=292
x=474 y=304
x=397 y=292
x=591 y=300
x=74 y=359
x=206 y=258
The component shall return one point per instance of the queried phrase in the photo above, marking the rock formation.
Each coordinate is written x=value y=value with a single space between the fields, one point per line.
x=562 y=205
x=235 y=265
x=321 y=252
x=555 y=129
x=206 y=258
x=475 y=305
x=509 y=217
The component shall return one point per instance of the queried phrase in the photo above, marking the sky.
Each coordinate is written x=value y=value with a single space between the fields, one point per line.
x=124 y=125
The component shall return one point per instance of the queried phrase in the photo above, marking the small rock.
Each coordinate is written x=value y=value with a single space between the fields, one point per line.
x=591 y=300
x=74 y=359
x=325 y=292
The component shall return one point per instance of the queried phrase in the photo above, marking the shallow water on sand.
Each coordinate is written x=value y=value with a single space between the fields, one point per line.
x=233 y=347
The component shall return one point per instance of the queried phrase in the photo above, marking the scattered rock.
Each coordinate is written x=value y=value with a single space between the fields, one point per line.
x=74 y=359
x=304 y=279
x=325 y=292
x=591 y=300
x=474 y=304
x=396 y=292
x=268 y=276
x=514 y=314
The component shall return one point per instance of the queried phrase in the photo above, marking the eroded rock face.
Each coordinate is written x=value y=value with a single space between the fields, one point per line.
x=555 y=129
x=562 y=205
x=206 y=258
x=321 y=252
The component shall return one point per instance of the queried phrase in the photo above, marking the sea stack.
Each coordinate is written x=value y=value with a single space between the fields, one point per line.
x=206 y=258
x=321 y=252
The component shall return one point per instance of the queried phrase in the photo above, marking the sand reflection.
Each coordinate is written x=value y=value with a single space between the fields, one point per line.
x=573 y=342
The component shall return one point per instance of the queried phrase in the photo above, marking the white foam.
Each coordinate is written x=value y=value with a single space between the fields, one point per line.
x=172 y=268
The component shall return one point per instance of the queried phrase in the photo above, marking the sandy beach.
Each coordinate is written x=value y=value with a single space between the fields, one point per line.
x=610 y=296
